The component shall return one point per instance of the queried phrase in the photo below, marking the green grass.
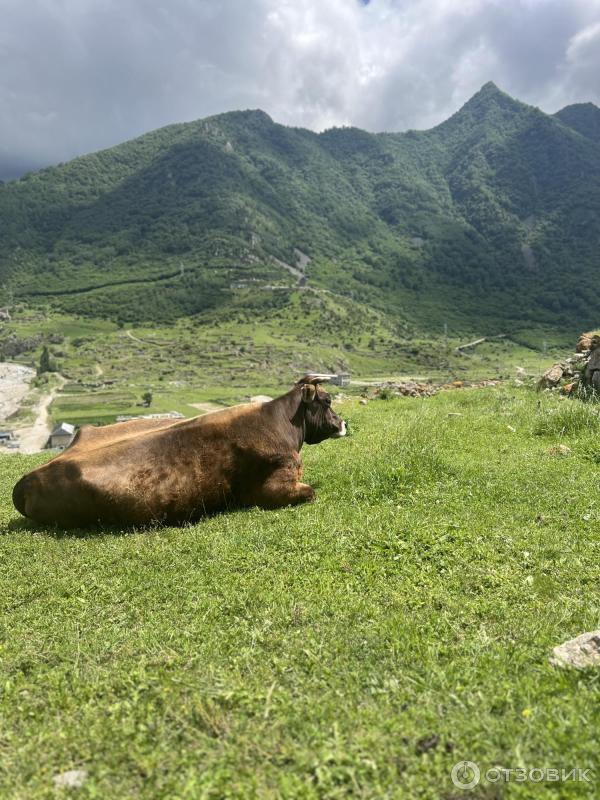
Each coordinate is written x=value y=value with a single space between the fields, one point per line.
x=568 y=418
x=306 y=653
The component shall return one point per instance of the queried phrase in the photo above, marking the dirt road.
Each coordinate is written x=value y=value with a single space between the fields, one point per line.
x=34 y=437
x=15 y=385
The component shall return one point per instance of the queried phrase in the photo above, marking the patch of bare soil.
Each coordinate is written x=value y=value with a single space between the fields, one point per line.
x=205 y=407
x=14 y=386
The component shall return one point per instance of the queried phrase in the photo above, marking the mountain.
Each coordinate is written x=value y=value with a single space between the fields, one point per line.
x=583 y=118
x=489 y=219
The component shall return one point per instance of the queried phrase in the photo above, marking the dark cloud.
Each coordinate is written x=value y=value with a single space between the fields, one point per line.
x=78 y=75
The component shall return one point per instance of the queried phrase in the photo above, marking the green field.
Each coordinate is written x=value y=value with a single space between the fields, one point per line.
x=356 y=647
x=225 y=360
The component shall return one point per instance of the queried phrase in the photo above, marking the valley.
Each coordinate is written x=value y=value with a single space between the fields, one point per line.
x=105 y=369
x=208 y=261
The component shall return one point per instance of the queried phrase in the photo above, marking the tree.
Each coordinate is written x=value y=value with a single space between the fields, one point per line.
x=45 y=363
x=147 y=399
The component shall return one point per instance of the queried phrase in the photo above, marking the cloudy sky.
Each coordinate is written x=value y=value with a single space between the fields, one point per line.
x=79 y=75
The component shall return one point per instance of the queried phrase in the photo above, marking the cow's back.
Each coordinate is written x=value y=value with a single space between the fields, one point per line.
x=90 y=437
x=150 y=470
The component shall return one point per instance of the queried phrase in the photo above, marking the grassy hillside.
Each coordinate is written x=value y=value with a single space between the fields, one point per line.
x=357 y=647
x=223 y=360
x=488 y=220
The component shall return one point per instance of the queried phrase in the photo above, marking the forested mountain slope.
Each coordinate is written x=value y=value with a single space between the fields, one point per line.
x=582 y=117
x=493 y=216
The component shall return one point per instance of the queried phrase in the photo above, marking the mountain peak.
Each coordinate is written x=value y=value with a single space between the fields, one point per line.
x=583 y=118
x=490 y=94
x=489 y=88
x=254 y=115
x=582 y=106
x=489 y=106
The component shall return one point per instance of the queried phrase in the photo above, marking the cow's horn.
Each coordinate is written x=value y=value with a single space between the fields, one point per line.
x=316 y=377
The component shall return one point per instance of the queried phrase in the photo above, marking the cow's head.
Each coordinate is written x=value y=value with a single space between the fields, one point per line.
x=320 y=420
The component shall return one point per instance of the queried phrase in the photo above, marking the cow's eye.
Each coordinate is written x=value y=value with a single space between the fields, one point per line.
x=327 y=401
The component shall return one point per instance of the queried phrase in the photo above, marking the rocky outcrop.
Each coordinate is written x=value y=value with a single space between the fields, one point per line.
x=585 y=342
x=580 y=373
x=414 y=389
x=590 y=377
x=551 y=377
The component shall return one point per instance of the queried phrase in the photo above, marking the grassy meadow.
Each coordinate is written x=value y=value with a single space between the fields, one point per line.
x=357 y=647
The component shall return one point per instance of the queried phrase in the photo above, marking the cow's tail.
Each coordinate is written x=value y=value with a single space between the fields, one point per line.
x=19 y=496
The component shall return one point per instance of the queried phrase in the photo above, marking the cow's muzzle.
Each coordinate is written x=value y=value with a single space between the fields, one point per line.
x=341 y=432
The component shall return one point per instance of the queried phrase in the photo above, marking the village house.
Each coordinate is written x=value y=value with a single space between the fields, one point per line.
x=62 y=436
x=341 y=379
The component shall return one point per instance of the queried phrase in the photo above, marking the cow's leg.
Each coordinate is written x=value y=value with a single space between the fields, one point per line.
x=276 y=493
x=282 y=487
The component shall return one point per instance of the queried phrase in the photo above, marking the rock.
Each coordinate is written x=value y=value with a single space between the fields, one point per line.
x=72 y=779
x=427 y=743
x=454 y=414
x=551 y=377
x=363 y=401
x=260 y=398
x=584 y=342
x=518 y=382
x=521 y=373
x=558 y=450
x=587 y=341
x=568 y=387
x=406 y=389
x=579 y=653
x=594 y=361
x=413 y=389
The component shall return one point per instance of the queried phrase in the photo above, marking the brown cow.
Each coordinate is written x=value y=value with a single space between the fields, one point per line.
x=148 y=471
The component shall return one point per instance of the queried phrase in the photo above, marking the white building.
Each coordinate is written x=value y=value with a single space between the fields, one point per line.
x=61 y=436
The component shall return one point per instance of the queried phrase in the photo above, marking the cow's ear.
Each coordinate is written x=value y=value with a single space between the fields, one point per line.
x=308 y=393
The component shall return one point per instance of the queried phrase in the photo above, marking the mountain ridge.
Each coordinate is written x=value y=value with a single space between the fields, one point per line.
x=582 y=117
x=492 y=204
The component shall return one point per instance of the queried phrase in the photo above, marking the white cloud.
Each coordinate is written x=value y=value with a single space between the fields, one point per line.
x=77 y=75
